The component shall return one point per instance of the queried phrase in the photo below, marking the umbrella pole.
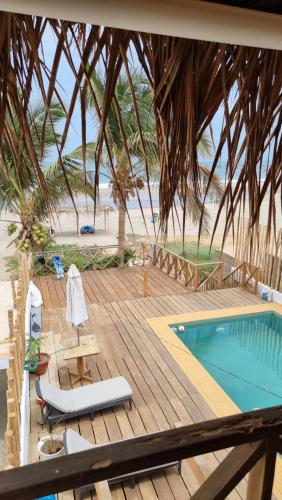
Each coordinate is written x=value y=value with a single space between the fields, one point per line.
x=78 y=339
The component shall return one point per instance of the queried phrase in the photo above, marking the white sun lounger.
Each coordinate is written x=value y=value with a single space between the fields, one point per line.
x=86 y=399
x=74 y=443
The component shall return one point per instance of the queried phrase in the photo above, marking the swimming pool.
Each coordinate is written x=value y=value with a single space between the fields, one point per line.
x=242 y=353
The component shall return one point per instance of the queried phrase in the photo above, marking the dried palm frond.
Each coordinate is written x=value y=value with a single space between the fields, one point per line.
x=190 y=81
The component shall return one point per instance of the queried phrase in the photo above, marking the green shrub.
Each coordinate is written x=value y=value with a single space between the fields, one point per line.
x=129 y=254
x=83 y=261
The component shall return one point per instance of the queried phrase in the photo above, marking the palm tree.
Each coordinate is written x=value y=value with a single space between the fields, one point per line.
x=123 y=156
x=20 y=191
x=125 y=167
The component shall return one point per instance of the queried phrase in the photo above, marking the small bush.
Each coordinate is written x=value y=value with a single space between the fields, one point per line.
x=83 y=261
x=129 y=254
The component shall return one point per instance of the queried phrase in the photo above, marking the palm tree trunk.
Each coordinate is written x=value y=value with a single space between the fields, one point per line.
x=121 y=225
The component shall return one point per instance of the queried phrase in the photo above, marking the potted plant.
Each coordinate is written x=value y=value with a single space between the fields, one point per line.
x=52 y=445
x=35 y=360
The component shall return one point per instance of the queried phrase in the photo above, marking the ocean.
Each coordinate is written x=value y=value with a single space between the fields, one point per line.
x=105 y=190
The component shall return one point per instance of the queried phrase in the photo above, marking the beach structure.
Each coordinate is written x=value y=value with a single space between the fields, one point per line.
x=86 y=212
x=179 y=413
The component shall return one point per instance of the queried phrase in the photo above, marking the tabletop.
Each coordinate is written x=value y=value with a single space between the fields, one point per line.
x=88 y=346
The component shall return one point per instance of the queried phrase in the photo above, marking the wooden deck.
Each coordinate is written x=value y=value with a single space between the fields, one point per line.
x=110 y=285
x=162 y=394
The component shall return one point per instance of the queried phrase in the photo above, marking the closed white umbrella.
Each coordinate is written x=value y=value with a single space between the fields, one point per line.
x=33 y=302
x=76 y=313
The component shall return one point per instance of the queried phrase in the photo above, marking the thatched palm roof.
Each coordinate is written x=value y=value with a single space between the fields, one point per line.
x=190 y=80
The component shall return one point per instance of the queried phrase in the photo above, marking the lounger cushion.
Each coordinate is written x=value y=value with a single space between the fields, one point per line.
x=88 y=396
x=56 y=397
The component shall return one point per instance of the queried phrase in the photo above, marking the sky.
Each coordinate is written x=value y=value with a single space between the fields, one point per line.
x=66 y=80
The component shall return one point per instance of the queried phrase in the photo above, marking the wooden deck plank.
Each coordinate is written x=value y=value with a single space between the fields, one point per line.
x=162 y=394
x=108 y=285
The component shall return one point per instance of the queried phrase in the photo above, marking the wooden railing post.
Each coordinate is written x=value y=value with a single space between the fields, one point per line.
x=161 y=258
x=257 y=279
x=143 y=254
x=185 y=271
x=221 y=276
x=12 y=279
x=243 y=274
x=122 y=257
x=196 y=277
x=154 y=254
x=167 y=263
x=261 y=477
x=11 y=323
x=176 y=261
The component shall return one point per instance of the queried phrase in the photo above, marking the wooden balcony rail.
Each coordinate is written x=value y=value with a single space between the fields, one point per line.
x=190 y=273
x=244 y=275
x=254 y=436
x=202 y=276
x=15 y=372
x=91 y=255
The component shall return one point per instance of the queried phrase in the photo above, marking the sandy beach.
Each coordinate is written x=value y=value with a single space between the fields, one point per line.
x=65 y=226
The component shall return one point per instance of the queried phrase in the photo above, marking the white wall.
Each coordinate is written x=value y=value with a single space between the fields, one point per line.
x=25 y=420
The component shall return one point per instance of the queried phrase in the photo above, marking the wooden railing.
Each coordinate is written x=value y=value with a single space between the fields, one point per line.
x=15 y=370
x=254 y=437
x=98 y=257
x=261 y=250
x=203 y=276
x=244 y=275
x=214 y=280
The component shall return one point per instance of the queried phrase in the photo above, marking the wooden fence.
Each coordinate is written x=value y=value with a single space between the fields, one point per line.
x=15 y=371
x=197 y=277
x=202 y=276
x=94 y=257
x=205 y=275
x=244 y=275
x=260 y=251
x=254 y=437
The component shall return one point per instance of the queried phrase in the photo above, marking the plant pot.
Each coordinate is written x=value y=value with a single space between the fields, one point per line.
x=31 y=366
x=43 y=361
x=43 y=443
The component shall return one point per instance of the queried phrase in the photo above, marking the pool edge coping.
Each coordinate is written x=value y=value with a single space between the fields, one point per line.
x=216 y=398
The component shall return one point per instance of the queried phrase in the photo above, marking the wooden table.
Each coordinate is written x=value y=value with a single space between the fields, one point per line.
x=88 y=346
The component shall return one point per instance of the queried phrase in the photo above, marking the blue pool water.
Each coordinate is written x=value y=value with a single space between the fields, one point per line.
x=243 y=354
